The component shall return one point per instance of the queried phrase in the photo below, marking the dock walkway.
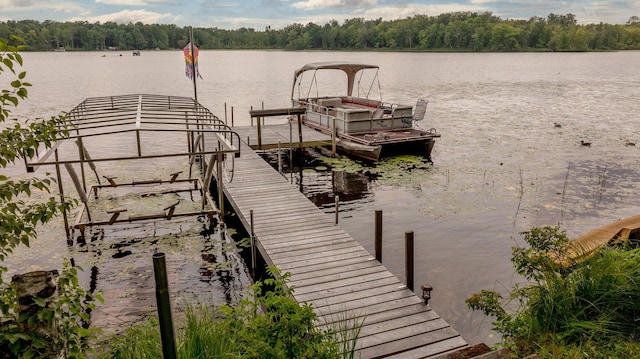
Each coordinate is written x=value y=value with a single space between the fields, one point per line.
x=284 y=134
x=332 y=271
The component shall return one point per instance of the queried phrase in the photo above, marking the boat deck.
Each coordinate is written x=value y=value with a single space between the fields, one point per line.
x=331 y=271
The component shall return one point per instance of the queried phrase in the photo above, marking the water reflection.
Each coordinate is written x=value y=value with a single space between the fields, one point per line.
x=319 y=180
x=203 y=266
x=221 y=256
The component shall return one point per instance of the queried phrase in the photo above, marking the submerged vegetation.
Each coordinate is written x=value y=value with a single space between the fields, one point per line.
x=590 y=310
x=457 y=31
x=267 y=324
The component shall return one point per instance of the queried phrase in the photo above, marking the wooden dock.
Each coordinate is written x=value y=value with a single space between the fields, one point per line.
x=286 y=134
x=332 y=271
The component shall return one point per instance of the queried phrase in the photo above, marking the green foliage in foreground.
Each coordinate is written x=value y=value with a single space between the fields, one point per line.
x=284 y=330
x=66 y=316
x=591 y=310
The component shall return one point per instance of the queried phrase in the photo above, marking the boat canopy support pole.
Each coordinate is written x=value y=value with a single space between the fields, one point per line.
x=219 y=159
x=61 y=190
x=81 y=192
x=89 y=159
x=208 y=175
x=82 y=158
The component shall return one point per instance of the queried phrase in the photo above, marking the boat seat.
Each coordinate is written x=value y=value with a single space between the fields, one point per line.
x=330 y=102
x=420 y=109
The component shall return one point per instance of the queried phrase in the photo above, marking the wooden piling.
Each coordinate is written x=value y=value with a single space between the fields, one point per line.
x=164 y=306
x=378 y=236
x=259 y=133
x=279 y=157
x=253 y=244
x=333 y=137
x=337 y=207
x=408 y=259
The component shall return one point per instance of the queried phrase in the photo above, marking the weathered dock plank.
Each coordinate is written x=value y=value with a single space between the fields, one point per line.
x=330 y=270
x=273 y=134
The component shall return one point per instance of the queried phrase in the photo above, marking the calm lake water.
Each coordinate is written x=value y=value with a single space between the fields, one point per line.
x=500 y=168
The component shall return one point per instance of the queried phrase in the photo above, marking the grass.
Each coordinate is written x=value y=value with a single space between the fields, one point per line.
x=284 y=329
x=591 y=310
x=205 y=335
x=138 y=342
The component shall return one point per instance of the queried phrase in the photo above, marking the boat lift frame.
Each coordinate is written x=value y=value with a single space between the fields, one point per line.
x=210 y=144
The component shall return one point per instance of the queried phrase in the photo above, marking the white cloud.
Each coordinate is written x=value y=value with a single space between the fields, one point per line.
x=219 y=4
x=134 y=2
x=123 y=2
x=402 y=11
x=133 y=16
x=29 y=6
x=317 y=4
x=326 y=4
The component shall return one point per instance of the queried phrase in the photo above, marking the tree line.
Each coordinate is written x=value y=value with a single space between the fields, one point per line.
x=457 y=31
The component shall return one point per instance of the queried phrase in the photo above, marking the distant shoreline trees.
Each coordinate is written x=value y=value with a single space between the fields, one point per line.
x=457 y=31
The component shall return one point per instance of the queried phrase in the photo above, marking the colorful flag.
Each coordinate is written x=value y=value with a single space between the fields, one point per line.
x=191 y=62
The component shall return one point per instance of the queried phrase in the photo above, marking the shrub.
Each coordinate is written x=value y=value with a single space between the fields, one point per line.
x=267 y=324
x=593 y=306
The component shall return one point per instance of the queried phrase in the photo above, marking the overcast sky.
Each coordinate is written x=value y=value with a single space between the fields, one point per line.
x=257 y=14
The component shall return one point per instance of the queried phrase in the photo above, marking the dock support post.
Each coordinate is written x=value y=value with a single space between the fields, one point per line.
x=334 y=133
x=259 y=134
x=219 y=159
x=253 y=244
x=378 y=236
x=299 y=131
x=337 y=207
x=279 y=158
x=408 y=260
x=164 y=306
x=290 y=152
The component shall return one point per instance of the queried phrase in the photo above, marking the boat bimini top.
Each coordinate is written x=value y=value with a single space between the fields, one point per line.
x=349 y=68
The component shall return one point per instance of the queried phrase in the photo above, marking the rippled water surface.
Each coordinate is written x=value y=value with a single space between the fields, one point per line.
x=501 y=166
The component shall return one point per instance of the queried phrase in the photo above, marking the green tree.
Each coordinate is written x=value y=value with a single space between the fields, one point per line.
x=459 y=31
x=504 y=36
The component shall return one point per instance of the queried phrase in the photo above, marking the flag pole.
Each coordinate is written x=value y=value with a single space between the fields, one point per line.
x=193 y=64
